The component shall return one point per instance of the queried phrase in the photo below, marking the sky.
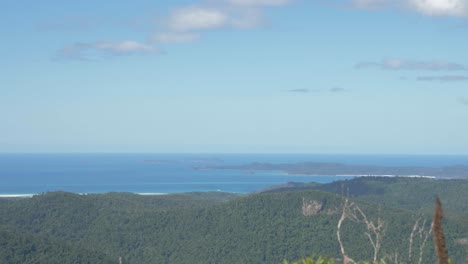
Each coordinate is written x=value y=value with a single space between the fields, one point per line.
x=234 y=76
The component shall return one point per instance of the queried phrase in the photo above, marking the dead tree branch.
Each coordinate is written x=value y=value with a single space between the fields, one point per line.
x=421 y=232
x=345 y=214
x=375 y=231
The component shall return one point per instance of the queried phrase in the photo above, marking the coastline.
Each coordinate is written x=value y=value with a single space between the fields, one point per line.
x=149 y=194
x=363 y=175
x=17 y=195
x=30 y=195
x=306 y=177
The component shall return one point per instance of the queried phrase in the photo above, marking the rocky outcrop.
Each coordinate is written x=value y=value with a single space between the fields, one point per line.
x=311 y=207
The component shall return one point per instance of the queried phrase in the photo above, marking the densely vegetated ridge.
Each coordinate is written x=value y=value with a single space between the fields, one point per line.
x=224 y=228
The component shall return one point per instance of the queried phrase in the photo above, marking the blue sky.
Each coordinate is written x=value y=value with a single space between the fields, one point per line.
x=243 y=76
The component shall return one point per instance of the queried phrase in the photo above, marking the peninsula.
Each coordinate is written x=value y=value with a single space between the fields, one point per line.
x=341 y=169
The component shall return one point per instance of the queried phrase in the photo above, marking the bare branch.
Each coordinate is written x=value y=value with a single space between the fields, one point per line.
x=411 y=239
x=374 y=233
x=344 y=215
x=423 y=233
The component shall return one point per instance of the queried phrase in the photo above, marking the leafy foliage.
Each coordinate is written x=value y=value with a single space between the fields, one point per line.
x=27 y=248
x=406 y=193
x=213 y=227
x=311 y=260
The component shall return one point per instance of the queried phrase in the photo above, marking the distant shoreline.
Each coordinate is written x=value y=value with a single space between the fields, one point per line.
x=30 y=195
x=364 y=175
x=152 y=194
x=330 y=169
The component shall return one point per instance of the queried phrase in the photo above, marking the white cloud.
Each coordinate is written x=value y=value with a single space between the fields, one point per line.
x=457 y=8
x=187 y=23
x=81 y=51
x=197 y=18
x=172 y=37
x=402 y=64
x=190 y=19
x=184 y=24
x=122 y=47
x=441 y=7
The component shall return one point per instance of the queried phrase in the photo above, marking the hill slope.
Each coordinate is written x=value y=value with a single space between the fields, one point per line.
x=222 y=228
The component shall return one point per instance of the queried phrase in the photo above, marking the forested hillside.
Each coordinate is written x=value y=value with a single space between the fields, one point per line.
x=268 y=227
x=16 y=247
x=407 y=193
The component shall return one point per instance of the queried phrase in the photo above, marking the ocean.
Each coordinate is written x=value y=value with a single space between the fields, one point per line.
x=172 y=173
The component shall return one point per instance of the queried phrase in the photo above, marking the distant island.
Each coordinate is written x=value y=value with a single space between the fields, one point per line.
x=188 y=160
x=340 y=169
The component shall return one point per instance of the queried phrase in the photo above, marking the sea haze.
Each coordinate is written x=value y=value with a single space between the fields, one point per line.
x=171 y=173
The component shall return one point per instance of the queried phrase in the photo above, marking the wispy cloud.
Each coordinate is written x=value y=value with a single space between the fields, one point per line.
x=456 y=8
x=299 y=90
x=443 y=78
x=184 y=24
x=197 y=18
x=189 y=23
x=225 y=14
x=463 y=100
x=80 y=51
x=402 y=64
x=337 y=89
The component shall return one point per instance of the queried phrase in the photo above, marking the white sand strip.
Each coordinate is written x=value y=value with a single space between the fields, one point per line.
x=16 y=195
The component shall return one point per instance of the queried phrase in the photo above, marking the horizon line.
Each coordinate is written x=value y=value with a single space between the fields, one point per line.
x=232 y=153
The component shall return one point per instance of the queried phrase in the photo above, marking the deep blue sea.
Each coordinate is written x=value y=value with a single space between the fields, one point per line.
x=171 y=173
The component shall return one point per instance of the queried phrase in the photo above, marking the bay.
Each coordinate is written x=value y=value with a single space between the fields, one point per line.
x=173 y=173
